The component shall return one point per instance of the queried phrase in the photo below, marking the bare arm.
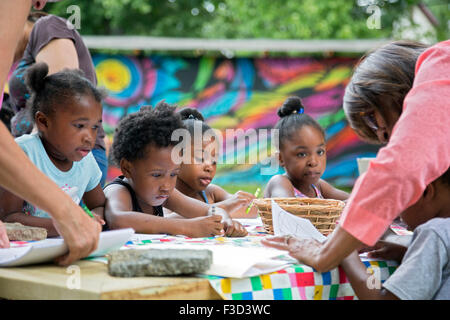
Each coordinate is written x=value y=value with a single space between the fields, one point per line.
x=13 y=14
x=359 y=278
x=186 y=206
x=321 y=256
x=279 y=186
x=330 y=192
x=119 y=214
x=189 y=207
x=95 y=200
x=22 y=178
x=11 y=211
x=236 y=204
x=59 y=54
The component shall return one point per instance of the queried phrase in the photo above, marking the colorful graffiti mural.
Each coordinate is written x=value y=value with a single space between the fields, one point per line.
x=241 y=93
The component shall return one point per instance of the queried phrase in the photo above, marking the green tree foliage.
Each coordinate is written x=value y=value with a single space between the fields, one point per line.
x=282 y=19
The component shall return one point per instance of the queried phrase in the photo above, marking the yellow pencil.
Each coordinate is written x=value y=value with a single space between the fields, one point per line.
x=251 y=204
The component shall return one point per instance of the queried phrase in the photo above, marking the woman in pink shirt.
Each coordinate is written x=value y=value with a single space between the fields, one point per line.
x=399 y=95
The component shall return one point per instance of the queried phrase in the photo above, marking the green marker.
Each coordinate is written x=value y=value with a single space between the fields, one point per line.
x=251 y=204
x=87 y=210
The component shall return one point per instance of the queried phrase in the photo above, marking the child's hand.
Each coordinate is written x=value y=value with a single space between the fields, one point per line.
x=204 y=226
x=240 y=199
x=4 y=241
x=98 y=218
x=234 y=229
x=386 y=251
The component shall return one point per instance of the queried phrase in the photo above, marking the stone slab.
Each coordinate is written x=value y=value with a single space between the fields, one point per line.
x=158 y=262
x=18 y=232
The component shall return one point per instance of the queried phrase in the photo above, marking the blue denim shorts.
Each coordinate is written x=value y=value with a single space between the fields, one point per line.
x=102 y=161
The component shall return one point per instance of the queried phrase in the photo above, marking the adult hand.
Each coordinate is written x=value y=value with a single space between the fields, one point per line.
x=304 y=250
x=80 y=233
x=4 y=241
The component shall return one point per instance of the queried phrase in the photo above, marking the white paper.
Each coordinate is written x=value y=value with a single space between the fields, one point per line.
x=252 y=224
x=285 y=223
x=230 y=261
x=49 y=249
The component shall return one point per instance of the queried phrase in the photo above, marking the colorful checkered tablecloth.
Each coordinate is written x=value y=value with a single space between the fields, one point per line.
x=297 y=282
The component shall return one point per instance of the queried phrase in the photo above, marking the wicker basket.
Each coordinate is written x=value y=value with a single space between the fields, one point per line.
x=323 y=213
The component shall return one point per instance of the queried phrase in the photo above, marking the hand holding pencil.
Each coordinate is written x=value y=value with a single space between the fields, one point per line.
x=251 y=204
x=93 y=215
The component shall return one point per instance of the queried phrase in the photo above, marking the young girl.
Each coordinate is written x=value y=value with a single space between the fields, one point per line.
x=303 y=156
x=143 y=149
x=67 y=111
x=194 y=179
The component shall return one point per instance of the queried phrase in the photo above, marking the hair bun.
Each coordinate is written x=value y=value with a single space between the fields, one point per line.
x=291 y=105
x=191 y=113
x=35 y=75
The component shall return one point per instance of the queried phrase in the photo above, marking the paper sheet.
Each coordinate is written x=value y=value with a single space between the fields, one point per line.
x=285 y=223
x=231 y=261
x=49 y=249
x=232 y=257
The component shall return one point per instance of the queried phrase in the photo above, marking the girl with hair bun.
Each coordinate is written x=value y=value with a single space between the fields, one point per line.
x=303 y=156
x=196 y=175
x=67 y=110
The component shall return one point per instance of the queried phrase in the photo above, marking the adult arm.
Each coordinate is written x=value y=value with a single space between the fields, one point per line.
x=59 y=54
x=13 y=14
x=321 y=256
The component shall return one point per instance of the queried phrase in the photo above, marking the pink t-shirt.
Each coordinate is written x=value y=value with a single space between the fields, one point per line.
x=418 y=152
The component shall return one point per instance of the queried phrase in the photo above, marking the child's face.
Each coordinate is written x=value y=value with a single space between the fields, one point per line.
x=304 y=155
x=154 y=177
x=70 y=132
x=199 y=173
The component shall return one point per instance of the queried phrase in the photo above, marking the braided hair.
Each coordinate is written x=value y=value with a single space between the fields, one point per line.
x=292 y=118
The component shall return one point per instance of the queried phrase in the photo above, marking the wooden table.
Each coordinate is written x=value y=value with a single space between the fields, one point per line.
x=53 y=282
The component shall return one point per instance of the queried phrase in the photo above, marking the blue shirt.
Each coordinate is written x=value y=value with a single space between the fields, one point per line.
x=425 y=269
x=84 y=175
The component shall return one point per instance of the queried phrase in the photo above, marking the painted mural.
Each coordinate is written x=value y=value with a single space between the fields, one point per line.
x=241 y=93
